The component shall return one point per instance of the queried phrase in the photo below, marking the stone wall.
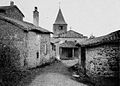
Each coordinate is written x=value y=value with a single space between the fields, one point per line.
x=38 y=49
x=103 y=60
x=45 y=48
x=13 y=13
x=33 y=46
x=53 y=50
x=15 y=38
x=57 y=30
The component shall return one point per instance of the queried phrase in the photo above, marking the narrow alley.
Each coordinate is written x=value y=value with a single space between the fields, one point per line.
x=56 y=74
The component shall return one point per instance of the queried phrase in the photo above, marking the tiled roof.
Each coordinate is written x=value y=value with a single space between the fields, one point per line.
x=72 y=34
x=110 y=38
x=60 y=18
x=68 y=44
x=24 y=25
x=10 y=7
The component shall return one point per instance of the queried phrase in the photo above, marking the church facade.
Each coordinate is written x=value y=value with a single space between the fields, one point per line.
x=66 y=39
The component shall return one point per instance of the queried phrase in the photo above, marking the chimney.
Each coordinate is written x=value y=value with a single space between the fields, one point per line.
x=36 y=17
x=11 y=3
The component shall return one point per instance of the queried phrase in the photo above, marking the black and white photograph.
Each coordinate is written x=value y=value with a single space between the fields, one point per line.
x=59 y=42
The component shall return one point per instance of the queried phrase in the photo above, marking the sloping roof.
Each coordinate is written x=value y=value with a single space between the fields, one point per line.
x=110 y=38
x=23 y=25
x=68 y=44
x=10 y=7
x=38 y=28
x=53 y=40
x=60 y=18
x=72 y=34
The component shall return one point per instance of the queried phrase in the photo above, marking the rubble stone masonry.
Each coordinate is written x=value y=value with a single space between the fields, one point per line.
x=45 y=48
x=103 y=60
x=15 y=39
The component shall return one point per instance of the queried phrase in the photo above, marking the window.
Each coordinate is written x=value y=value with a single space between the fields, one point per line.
x=45 y=49
x=53 y=47
x=37 y=55
x=2 y=11
x=60 y=27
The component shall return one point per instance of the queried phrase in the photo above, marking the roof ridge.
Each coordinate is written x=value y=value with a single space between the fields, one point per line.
x=28 y=26
x=72 y=34
x=111 y=37
x=76 y=32
x=9 y=7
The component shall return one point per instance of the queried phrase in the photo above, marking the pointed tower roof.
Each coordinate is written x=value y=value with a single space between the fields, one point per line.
x=60 y=18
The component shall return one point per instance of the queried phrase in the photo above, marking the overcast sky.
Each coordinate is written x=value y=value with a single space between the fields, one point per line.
x=97 y=17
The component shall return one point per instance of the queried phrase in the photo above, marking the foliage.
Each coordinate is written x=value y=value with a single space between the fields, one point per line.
x=9 y=58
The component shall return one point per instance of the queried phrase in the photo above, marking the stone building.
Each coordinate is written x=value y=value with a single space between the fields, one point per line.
x=65 y=47
x=29 y=41
x=12 y=11
x=101 y=55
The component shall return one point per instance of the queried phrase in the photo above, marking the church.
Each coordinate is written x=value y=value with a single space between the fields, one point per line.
x=65 y=40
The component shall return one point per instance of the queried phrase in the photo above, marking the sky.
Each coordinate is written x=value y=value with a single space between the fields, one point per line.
x=88 y=17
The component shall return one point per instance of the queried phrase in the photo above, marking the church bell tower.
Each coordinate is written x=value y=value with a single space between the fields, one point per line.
x=60 y=26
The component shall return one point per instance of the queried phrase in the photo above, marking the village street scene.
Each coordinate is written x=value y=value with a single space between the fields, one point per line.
x=31 y=55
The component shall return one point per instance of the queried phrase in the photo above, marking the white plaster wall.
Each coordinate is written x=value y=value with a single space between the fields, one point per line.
x=57 y=51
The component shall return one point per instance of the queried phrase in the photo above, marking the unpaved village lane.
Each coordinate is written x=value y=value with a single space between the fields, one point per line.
x=55 y=75
x=54 y=79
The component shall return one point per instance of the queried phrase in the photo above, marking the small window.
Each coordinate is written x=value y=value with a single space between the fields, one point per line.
x=60 y=27
x=45 y=49
x=53 y=47
x=37 y=55
x=2 y=11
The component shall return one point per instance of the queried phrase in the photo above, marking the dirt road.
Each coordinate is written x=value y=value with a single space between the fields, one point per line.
x=55 y=75
x=54 y=79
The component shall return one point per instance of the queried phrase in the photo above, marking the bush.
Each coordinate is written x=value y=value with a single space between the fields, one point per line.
x=9 y=58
